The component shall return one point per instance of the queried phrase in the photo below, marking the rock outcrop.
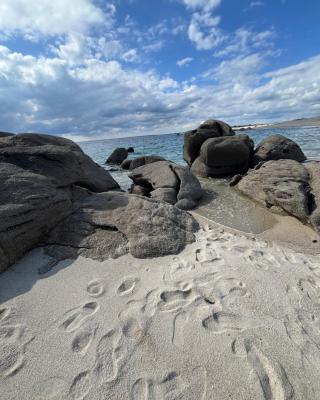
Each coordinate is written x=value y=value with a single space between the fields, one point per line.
x=53 y=195
x=223 y=156
x=139 y=161
x=282 y=185
x=278 y=147
x=117 y=156
x=5 y=134
x=122 y=223
x=169 y=183
x=314 y=173
x=193 y=140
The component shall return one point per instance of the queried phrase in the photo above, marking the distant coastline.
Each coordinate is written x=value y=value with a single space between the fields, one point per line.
x=295 y=123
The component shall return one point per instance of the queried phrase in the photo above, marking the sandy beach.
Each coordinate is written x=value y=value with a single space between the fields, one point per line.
x=231 y=317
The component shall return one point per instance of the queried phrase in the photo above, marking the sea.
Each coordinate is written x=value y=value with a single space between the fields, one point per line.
x=170 y=146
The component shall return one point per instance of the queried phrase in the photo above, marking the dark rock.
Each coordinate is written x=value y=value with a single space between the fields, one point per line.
x=139 y=190
x=126 y=164
x=30 y=205
x=193 y=140
x=57 y=158
x=113 y=169
x=146 y=228
x=117 y=156
x=156 y=175
x=278 y=147
x=130 y=150
x=170 y=183
x=223 y=156
x=165 y=194
x=140 y=161
x=283 y=184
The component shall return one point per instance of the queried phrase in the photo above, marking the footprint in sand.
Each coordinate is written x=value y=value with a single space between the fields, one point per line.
x=95 y=288
x=127 y=286
x=206 y=254
x=222 y=321
x=83 y=339
x=106 y=367
x=179 y=326
x=13 y=343
x=142 y=389
x=4 y=313
x=171 y=300
x=81 y=385
x=271 y=375
x=76 y=317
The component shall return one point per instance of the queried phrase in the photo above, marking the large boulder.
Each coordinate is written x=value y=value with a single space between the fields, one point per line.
x=140 y=161
x=314 y=173
x=168 y=182
x=48 y=199
x=278 y=147
x=193 y=140
x=119 y=222
x=282 y=185
x=223 y=156
x=30 y=205
x=57 y=158
x=117 y=156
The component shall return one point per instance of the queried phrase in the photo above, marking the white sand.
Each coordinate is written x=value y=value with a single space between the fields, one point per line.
x=229 y=318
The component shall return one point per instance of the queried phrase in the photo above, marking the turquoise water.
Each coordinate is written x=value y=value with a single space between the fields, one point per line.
x=170 y=146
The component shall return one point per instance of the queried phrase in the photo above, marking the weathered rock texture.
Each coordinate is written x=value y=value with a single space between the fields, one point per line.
x=139 y=161
x=287 y=186
x=277 y=147
x=168 y=182
x=117 y=156
x=223 y=156
x=119 y=223
x=51 y=194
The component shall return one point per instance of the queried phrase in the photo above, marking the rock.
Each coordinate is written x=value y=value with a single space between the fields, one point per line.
x=193 y=140
x=278 y=147
x=139 y=190
x=146 y=228
x=223 y=156
x=126 y=164
x=57 y=158
x=235 y=180
x=6 y=134
x=130 y=150
x=155 y=175
x=117 y=156
x=167 y=195
x=314 y=173
x=190 y=191
x=30 y=205
x=283 y=184
x=140 y=161
x=170 y=183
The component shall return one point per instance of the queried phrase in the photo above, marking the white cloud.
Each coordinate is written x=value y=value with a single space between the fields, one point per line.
x=47 y=17
x=206 y=5
x=203 y=31
x=184 y=61
x=101 y=98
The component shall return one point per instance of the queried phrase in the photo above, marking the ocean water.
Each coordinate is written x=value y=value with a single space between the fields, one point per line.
x=170 y=146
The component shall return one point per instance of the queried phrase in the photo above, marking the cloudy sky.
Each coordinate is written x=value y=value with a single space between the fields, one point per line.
x=97 y=68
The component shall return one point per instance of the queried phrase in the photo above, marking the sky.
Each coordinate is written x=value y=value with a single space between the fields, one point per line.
x=94 y=69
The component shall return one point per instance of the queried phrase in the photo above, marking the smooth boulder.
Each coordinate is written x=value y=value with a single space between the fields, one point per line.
x=170 y=183
x=194 y=139
x=278 y=147
x=140 y=161
x=223 y=156
x=57 y=158
x=117 y=156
